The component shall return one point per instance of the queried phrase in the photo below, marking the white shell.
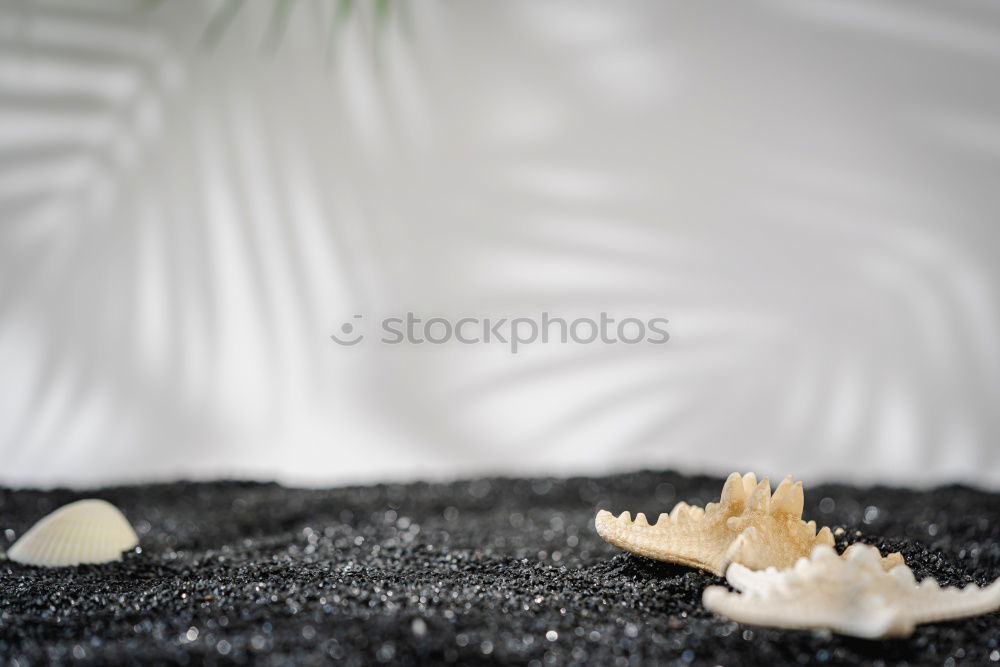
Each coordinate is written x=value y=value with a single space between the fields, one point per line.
x=852 y=595
x=87 y=531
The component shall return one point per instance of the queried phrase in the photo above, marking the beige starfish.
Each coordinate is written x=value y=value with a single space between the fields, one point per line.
x=748 y=525
x=853 y=595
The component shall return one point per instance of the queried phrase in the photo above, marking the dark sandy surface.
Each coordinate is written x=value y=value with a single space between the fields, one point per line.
x=488 y=571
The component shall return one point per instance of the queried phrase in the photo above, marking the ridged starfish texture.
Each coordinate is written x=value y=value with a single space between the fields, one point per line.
x=748 y=525
x=853 y=595
x=87 y=531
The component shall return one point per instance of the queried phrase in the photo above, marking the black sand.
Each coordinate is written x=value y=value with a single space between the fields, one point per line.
x=489 y=571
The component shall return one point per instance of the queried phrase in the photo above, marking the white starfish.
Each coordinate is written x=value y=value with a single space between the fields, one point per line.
x=748 y=525
x=852 y=595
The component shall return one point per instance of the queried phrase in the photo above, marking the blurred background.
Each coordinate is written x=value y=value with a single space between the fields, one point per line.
x=195 y=195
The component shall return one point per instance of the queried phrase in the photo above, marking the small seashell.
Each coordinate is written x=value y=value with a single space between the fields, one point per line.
x=87 y=531
x=860 y=594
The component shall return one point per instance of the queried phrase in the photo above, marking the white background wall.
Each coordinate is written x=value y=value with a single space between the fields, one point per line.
x=190 y=205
